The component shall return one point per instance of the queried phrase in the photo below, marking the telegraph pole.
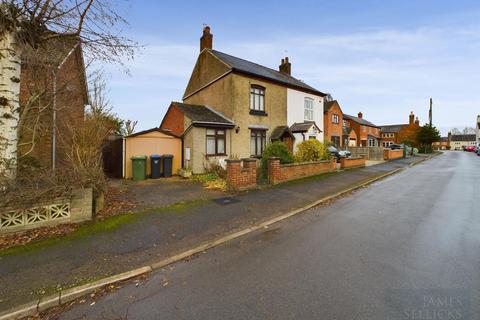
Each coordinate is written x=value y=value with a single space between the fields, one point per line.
x=430 y=112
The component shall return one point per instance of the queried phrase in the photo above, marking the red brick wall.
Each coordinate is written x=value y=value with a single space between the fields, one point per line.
x=173 y=121
x=70 y=100
x=346 y=163
x=389 y=154
x=241 y=177
x=330 y=128
x=284 y=172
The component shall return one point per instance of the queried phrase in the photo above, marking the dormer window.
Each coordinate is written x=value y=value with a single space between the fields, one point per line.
x=257 y=98
x=308 y=109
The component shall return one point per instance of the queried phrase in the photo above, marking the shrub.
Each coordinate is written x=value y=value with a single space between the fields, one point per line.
x=311 y=150
x=276 y=149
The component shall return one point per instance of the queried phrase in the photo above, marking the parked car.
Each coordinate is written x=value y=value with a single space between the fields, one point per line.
x=396 y=146
x=478 y=151
x=334 y=152
x=345 y=153
x=470 y=148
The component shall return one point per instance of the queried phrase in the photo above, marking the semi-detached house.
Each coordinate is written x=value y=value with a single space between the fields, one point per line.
x=233 y=108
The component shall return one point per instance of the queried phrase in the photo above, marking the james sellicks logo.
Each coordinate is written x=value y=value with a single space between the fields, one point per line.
x=424 y=304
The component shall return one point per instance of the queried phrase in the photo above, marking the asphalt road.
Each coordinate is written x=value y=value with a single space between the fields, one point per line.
x=407 y=247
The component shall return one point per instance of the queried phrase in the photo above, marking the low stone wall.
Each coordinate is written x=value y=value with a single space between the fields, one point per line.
x=284 y=172
x=353 y=162
x=389 y=154
x=77 y=208
x=241 y=174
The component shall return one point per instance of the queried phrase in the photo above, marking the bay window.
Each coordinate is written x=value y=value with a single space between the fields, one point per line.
x=215 y=142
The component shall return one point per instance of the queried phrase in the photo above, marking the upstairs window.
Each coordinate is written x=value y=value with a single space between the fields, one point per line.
x=257 y=98
x=335 y=118
x=308 y=113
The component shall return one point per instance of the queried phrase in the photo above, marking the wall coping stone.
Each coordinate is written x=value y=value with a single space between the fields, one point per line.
x=304 y=163
x=274 y=158
x=249 y=160
x=233 y=160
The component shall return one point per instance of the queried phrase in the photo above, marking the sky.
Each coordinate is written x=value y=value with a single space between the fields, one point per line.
x=383 y=58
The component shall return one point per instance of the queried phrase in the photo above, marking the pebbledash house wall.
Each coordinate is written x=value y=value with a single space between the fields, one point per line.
x=195 y=140
x=231 y=97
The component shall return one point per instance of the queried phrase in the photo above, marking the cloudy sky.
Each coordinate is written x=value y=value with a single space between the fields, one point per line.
x=384 y=58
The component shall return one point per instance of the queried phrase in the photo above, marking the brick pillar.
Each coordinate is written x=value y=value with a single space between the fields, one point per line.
x=273 y=169
x=250 y=166
x=342 y=162
x=386 y=154
x=233 y=173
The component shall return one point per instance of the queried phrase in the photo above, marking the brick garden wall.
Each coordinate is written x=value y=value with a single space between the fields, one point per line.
x=392 y=154
x=241 y=174
x=284 y=172
x=357 y=162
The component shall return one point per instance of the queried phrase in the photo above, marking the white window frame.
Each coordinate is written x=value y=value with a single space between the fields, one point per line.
x=308 y=109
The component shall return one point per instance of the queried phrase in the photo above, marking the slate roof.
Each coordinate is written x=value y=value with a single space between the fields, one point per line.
x=392 y=128
x=200 y=114
x=463 y=137
x=359 y=120
x=303 y=126
x=279 y=131
x=244 y=66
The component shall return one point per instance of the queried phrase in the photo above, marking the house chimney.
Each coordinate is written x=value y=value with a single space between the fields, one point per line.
x=411 y=118
x=206 y=41
x=360 y=115
x=285 y=67
x=417 y=122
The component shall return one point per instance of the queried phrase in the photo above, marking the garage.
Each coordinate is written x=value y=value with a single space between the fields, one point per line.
x=148 y=142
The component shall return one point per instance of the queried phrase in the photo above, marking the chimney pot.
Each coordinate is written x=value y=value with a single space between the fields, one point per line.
x=411 y=118
x=285 y=67
x=206 y=41
x=360 y=115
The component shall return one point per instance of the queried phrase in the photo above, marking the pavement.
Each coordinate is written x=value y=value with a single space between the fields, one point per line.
x=130 y=241
x=407 y=247
x=156 y=193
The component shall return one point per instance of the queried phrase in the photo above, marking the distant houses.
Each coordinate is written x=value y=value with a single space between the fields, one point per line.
x=400 y=133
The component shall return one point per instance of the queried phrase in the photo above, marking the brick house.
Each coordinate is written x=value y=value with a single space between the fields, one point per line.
x=443 y=144
x=258 y=102
x=333 y=125
x=366 y=133
x=60 y=83
x=401 y=133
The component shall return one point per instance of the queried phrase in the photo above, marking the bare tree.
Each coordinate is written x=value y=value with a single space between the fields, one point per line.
x=27 y=24
x=468 y=130
x=130 y=127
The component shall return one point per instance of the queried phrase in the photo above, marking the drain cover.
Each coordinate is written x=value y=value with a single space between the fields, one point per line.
x=226 y=201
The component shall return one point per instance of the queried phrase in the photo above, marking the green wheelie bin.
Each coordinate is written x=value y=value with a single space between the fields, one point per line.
x=139 y=167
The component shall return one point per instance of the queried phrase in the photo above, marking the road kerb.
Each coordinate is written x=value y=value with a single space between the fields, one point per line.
x=76 y=292
x=68 y=295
